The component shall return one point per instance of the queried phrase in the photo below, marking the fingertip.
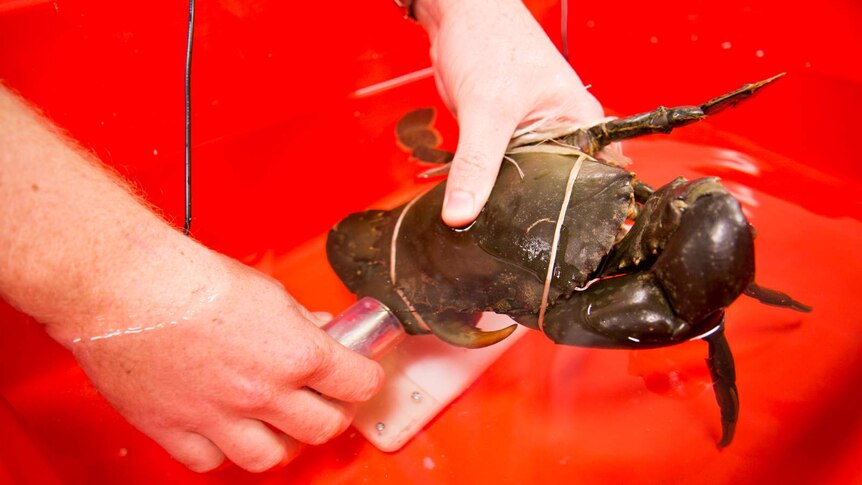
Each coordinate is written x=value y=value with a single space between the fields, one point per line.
x=473 y=172
x=459 y=208
x=366 y=385
x=347 y=376
x=375 y=383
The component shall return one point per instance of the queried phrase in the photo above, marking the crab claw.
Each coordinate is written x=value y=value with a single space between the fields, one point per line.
x=459 y=329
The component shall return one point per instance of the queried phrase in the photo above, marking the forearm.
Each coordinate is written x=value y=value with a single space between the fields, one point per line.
x=76 y=245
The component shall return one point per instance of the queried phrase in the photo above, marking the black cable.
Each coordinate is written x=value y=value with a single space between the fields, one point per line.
x=188 y=219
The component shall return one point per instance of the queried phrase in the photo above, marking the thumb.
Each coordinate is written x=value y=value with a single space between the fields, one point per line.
x=482 y=143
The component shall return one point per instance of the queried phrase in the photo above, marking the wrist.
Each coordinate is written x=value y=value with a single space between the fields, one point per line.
x=156 y=278
x=78 y=249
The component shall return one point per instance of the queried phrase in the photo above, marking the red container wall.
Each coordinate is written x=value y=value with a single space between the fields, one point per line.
x=284 y=149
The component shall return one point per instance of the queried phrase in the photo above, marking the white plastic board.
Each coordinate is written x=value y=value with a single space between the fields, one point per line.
x=424 y=375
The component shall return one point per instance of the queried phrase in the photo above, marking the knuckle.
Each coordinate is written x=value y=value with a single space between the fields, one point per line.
x=255 y=394
x=470 y=163
x=486 y=95
x=309 y=358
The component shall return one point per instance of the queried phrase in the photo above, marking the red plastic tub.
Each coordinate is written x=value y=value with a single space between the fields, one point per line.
x=285 y=146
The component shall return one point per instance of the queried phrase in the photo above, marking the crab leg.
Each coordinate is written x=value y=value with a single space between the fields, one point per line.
x=642 y=190
x=660 y=120
x=723 y=372
x=768 y=296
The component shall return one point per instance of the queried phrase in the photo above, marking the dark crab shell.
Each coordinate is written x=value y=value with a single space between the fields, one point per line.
x=500 y=262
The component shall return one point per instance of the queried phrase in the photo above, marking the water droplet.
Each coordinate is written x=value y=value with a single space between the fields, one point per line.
x=759 y=53
x=726 y=45
x=591 y=23
x=694 y=37
x=380 y=427
x=155 y=152
x=416 y=396
x=653 y=40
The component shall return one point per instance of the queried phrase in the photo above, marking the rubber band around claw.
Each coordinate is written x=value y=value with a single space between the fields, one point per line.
x=392 y=258
x=573 y=175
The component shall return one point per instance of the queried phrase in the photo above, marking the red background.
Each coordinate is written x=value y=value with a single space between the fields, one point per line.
x=283 y=151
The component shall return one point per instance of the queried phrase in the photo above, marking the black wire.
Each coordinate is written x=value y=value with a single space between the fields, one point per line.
x=188 y=219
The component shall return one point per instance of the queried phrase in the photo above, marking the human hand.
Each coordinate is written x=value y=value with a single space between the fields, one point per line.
x=496 y=70
x=232 y=368
x=206 y=356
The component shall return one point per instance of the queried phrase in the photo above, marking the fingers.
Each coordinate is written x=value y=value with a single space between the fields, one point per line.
x=308 y=417
x=299 y=417
x=343 y=374
x=321 y=318
x=482 y=144
x=196 y=452
x=254 y=446
x=331 y=368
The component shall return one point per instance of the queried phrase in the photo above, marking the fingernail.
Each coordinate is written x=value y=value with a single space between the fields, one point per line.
x=459 y=206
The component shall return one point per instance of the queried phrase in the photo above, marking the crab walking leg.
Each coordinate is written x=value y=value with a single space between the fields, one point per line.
x=642 y=190
x=723 y=372
x=632 y=311
x=660 y=120
x=768 y=296
x=733 y=98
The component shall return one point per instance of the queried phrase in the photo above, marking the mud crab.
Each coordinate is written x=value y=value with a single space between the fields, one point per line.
x=570 y=245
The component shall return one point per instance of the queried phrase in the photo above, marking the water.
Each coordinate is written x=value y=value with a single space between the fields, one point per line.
x=542 y=412
x=598 y=414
